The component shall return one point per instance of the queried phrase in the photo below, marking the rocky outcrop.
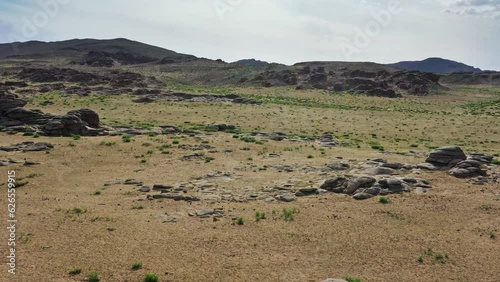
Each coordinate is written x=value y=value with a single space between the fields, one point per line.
x=13 y=116
x=467 y=169
x=443 y=158
x=201 y=98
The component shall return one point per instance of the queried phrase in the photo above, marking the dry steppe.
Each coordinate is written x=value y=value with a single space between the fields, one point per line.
x=72 y=215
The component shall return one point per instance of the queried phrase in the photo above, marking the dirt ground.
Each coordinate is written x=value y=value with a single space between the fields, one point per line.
x=67 y=218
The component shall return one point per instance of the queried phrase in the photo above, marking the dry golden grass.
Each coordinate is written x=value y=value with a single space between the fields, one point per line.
x=331 y=236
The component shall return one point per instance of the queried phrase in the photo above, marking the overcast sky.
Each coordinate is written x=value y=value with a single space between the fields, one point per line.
x=284 y=31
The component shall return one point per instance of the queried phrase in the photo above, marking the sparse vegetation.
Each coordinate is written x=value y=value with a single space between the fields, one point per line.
x=260 y=216
x=239 y=221
x=384 y=200
x=75 y=271
x=136 y=265
x=77 y=210
x=289 y=213
x=93 y=277
x=126 y=138
x=151 y=277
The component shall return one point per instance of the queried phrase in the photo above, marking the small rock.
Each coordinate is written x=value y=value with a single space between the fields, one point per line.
x=362 y=196
x=145 y=189
x=287 y=198
x=379 y=171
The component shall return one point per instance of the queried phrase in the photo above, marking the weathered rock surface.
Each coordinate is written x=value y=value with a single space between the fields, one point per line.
x=467 y=169
x=446 y=156
x=78 y=122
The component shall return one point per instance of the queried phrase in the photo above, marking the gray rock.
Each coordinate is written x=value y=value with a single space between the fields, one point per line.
x=158 y=187
x=307 y=192
x=331 y=184
x=372 y=191
x=420 y=191
x=334 y=280
x=145 y=189
x=132 y=182
x=396 y=166
x=205 y=213
x=338 y=166
x=360 y=182
x=113 y=182
x=362 y=196
x=428 y=166
x=481 y=157
x=379 y=171
x=41 y=146
x=287 y=198
x=445 y=155
x=409 y=180
x=467 y=169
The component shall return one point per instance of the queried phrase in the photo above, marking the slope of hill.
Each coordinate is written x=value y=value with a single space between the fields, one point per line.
x=73 y=46
x=436 y=65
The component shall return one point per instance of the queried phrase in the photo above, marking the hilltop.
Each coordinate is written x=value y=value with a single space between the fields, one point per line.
x=436 y=65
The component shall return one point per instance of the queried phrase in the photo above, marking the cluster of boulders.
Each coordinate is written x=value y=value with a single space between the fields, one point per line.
x=454 y=160
x=115 y=78
x=14 y=117
x=365 y=187
x=27 y=146
x=381 y=83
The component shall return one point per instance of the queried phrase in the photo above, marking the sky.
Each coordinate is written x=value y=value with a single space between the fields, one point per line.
x=283 y=31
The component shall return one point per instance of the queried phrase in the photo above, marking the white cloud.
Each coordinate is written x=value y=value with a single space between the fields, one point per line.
x=484 y=8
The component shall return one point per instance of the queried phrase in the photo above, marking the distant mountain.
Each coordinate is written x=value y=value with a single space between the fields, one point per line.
x=251 y=63
x=76 y=47
x=436 y=65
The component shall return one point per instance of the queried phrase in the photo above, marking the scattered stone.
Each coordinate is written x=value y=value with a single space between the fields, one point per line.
x=307 y=192
x=30 y=163
x=113 y=182
x=396 y=166
x=379 y=171
x=27 y=146
x=162 y=187
x=338 y=166
x=41 y=146
x=133 y=182
x=362 y=196
x=175 y=197
x=287 y=198
x=145 y=189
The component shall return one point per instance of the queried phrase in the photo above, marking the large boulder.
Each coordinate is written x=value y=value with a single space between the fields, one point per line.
x=360 y=182
x=26 y=116
x=446 y=156
x=335 y=185
x=65 y=126
x=88 y=116
x=9 y=101
x=467 y=169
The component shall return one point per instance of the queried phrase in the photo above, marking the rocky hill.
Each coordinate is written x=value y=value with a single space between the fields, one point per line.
x=468 y=78
x=58 y=61
x=436 y=65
